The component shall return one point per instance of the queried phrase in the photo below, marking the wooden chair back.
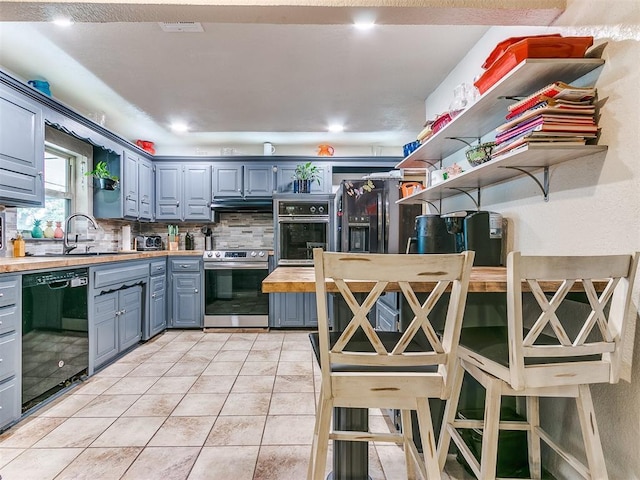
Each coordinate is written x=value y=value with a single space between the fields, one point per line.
x=379 y=272
x=603 y=332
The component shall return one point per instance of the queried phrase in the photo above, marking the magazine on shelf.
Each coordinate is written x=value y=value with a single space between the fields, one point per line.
x=548 y=111
x=577 y=107
x=559 y=90
x=528 y=139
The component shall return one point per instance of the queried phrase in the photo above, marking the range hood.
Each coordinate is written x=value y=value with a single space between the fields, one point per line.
x=264 y=204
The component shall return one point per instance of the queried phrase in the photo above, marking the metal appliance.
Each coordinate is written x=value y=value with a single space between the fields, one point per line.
x=302 y=222
x=370 y=220
x=233 y=288
x=148 y=242
x=431 y=236
x=479 y=231
x=55 y=338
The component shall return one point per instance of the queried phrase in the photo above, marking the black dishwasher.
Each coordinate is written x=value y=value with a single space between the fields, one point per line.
x=55 y=334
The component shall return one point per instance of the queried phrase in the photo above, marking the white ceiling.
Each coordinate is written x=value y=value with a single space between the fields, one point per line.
x=248 y=81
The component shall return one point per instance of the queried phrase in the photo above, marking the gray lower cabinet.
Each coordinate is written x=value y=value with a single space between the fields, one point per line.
x=186 y=293
x=157 y=300
x=10 y=350
x=21 y=150
x=293 y=310
x=117 y=322
x=387 y=318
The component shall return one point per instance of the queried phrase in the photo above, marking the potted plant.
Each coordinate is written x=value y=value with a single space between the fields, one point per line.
x=106 y=180
x=304 y=175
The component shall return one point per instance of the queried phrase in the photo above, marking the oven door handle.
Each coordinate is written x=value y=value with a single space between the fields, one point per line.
x=298 y=219
x=235 y=266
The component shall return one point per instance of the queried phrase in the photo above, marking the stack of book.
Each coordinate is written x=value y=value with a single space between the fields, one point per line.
x=559 y=114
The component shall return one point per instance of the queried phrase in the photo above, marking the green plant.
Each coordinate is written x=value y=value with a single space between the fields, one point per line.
x=101 y=171
x=307 y=171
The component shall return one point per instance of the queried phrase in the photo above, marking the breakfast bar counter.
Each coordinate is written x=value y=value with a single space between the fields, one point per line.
x=483 y=280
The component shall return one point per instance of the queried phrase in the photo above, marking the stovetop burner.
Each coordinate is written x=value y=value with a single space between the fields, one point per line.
x=236 y=256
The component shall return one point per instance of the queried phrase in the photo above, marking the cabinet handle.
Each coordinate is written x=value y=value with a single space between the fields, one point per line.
x=184 y=265
x=1 y=294
x=153 y=295
x=178 y=203
x=123 y=311
x=195 y=291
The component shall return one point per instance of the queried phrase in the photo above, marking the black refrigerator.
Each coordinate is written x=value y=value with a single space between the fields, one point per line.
x=368 y=218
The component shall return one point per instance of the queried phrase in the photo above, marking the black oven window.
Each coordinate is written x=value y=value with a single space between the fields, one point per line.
x=235 y=292
x=297 y=240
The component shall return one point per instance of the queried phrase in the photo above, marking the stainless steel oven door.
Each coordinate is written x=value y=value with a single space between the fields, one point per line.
x=296 y=238
x=233 y=295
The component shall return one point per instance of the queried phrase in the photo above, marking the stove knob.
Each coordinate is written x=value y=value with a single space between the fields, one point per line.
x=312 y=209
x=261 y=254
x=209 y=254
x=253 y=254
x=321 y=209
x=218 y=254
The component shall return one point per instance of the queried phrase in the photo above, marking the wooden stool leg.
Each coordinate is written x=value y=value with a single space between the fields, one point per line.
x=489 y=454
x=407 y=436
x=533 y=418
x=428 y=439
x=590 y=433
x=450 y=410
x=324 y=425
x=314 y=441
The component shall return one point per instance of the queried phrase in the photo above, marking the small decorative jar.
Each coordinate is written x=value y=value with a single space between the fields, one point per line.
x=58 y=233
x=48 y=231
x=36 y=231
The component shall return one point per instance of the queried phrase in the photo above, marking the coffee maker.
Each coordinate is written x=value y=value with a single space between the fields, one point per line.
x=479 y=231
x=431 y=236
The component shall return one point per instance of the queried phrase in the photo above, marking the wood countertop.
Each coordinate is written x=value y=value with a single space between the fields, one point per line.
x=483 y=279
x=24 y=264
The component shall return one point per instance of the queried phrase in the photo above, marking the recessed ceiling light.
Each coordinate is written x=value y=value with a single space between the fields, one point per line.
x=335 y=128
x=179 y=127
x=364 y=25
x=63 y=22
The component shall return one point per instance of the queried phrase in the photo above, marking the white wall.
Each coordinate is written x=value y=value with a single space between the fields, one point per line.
x=593 y=208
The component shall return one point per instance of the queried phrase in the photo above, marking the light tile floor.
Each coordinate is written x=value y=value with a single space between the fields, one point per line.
x=189 y=405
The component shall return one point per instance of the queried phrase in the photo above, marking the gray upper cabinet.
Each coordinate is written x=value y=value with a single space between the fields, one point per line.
x=183 y=191
x=145 y=189
x=21 y=150
x=248 y=180
x=168 y=191
x=130 y=185
x=285 y=175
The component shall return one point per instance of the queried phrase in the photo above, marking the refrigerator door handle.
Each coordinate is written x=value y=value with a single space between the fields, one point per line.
x=380 y=248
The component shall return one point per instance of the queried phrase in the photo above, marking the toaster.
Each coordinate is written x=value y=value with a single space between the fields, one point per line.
x=148 y=242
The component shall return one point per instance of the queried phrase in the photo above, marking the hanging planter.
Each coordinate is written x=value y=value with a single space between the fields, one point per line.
x=106 y=181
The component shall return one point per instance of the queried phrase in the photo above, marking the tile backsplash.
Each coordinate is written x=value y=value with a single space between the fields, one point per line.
x=233 y=230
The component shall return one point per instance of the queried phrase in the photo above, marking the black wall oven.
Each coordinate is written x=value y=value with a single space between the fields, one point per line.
x=302 y=222
x=233 y=288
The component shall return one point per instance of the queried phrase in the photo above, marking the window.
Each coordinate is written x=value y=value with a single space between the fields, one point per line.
x=59 y=178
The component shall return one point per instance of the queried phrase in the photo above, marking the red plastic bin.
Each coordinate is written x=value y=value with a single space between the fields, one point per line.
x=533 y=47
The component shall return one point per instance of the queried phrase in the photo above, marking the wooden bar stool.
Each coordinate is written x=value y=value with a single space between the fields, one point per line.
x=556 y=355
x=363 y=368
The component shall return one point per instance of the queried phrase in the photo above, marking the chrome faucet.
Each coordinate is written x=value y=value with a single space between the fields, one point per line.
x=66 y=247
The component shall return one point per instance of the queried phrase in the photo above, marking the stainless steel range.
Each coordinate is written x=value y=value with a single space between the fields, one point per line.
x=233 y=288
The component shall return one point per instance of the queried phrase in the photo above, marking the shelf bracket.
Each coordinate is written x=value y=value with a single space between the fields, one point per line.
x=466 y=192
x=438 y=209
x=461 y=139
x=544 y=186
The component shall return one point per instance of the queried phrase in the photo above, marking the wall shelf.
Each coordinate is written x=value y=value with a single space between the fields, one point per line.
x=503 y=168
x=489 y=111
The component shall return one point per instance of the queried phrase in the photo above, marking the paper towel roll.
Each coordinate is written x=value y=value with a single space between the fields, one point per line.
x=125 y=241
